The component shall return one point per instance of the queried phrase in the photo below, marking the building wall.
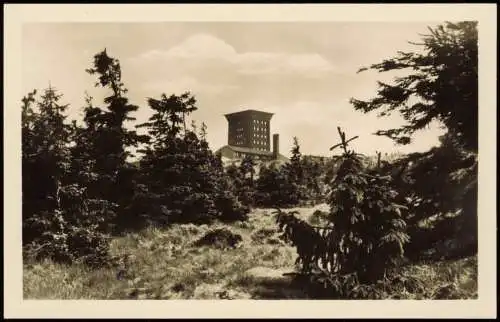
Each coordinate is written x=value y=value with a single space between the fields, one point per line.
x=260 y=131
x=237 y=132
x=227 y=152
x=250 y=129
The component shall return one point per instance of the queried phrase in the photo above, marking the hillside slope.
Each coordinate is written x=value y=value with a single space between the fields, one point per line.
x=165 y=264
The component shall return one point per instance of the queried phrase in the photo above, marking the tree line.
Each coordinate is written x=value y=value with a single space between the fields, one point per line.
x=298 y=182
x=80 y=187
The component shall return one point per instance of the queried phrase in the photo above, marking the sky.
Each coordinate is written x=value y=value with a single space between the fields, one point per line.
x=303 y=72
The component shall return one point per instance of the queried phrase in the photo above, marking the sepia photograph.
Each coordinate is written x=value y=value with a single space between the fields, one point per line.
x=251 y=160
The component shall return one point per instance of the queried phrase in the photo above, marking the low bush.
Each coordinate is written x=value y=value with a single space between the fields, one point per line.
x=77 y=230
x=219 y=238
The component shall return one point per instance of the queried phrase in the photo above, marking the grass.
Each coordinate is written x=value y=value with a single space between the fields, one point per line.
x=164 y=264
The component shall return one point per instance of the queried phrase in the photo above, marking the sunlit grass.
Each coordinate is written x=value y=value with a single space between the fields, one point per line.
x=164 y=264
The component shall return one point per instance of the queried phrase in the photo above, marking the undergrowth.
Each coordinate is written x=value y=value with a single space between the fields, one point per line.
x=163 y=264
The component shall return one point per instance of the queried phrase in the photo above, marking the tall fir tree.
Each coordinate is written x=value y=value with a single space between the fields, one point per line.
x=105 y=141
x=442 y=85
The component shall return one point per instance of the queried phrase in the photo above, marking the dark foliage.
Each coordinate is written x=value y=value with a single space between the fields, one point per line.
x=365 y=233
x=296 y=183
x=442 y=86
x=102 y=146
x=441 y=187
x=273 y=188
x=183 y=180
x=245 y=180
x=59 y=220
x=80 y=184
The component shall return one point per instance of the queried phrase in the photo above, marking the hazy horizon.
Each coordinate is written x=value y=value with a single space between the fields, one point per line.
x=303 y=72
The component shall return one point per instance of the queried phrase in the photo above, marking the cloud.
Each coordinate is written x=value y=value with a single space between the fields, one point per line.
x=199 y=46
x=203 y=48
x=186 y=83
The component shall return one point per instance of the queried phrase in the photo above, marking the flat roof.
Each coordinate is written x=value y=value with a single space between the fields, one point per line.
x=248 y=111
x=251 y=151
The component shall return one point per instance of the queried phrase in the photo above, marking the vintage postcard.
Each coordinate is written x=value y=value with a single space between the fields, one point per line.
x=298 y=160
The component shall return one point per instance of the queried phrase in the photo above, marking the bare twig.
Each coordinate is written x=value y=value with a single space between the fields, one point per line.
x=344 y=142
x=36 y=250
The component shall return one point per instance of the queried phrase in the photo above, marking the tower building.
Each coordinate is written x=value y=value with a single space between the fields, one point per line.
x=249 y=133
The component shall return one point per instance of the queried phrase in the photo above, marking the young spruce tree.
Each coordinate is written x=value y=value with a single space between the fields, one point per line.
x=59 y=221
x=366 y=230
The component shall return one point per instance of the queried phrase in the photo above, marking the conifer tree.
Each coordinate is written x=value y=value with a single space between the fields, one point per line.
x=295 y=165
x=104 y=143
x=59 y=221
x=442 y=85
x=271 y=187
x=183 y=177
x=247 y=174
x=293 y=171
x=45 y=156
x=314 y=172
x=247 y=168
x=366 y=231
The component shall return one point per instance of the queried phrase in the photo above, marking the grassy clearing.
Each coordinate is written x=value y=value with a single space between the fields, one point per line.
x=164 y=264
